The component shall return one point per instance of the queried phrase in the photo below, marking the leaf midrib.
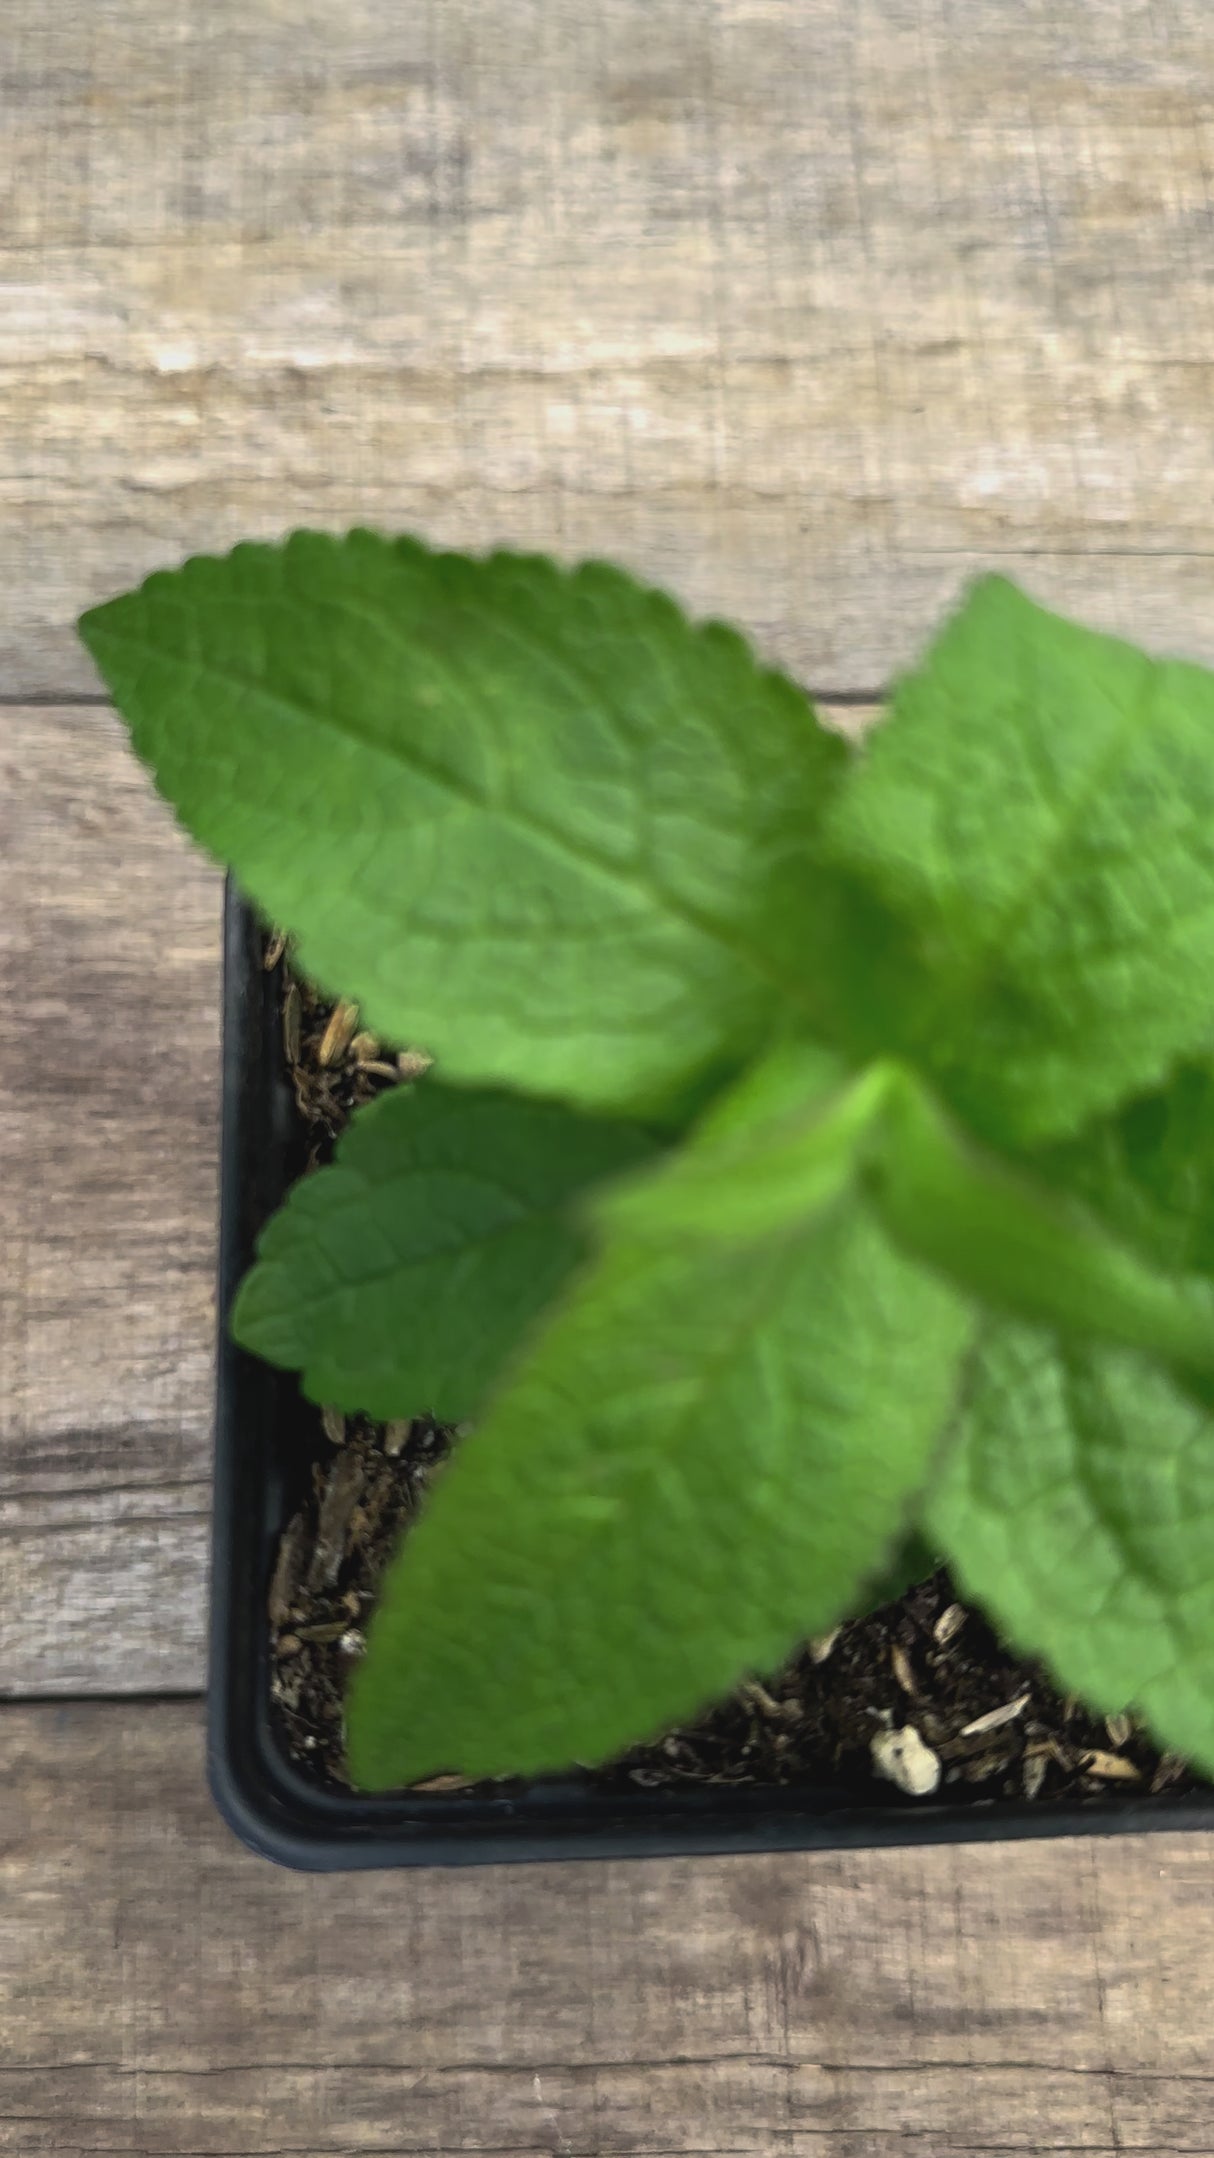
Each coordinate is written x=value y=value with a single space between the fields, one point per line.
x=957 y=996
x=769 y=1288
x=584 y=856
x=314 y=1300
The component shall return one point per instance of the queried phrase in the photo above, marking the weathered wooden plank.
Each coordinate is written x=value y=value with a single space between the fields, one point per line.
x=109 y=934
x=162 y=1993
x=807 y=309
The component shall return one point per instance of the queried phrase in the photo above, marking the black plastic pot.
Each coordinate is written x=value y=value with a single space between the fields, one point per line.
x=265 y=1442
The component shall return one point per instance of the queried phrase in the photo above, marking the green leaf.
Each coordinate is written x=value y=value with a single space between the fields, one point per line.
x=1028 y=846
x=980 y=1221
x=984 y=1223
x=403 y=1277
x=1016 y=1244
x=1077 y=1506
x=707 y=1452
x=1148 y=1170
x=530 y=817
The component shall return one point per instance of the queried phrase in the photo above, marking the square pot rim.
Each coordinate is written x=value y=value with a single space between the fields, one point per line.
x=281 y=1813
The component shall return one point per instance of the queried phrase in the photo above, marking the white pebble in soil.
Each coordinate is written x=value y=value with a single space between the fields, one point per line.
x=902 y=1757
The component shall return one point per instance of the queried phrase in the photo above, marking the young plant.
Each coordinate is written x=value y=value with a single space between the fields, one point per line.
x=821 y=1142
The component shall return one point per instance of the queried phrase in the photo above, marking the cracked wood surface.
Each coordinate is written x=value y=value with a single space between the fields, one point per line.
x=164 y=1994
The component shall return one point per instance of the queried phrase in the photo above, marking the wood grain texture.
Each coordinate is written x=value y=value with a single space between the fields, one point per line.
x=109 y=946
x=163 y=1993
x=809 y=310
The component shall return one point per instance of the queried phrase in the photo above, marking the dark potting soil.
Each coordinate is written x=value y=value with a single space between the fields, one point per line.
x=923 y=1666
